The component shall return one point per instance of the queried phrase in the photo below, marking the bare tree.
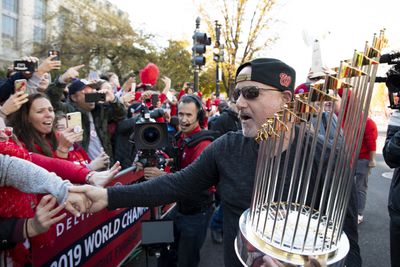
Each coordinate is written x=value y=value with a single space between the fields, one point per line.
x=244 y=27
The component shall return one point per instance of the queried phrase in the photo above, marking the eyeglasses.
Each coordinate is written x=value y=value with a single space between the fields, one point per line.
x=249 y=92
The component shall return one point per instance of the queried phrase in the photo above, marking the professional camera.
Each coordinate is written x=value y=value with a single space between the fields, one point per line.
x=149 y=137
x=392 y=78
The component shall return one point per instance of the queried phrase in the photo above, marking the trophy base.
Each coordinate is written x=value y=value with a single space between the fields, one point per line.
x=250 y=249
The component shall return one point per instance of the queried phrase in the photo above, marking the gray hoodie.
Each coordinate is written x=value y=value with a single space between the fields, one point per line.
x=30 y=178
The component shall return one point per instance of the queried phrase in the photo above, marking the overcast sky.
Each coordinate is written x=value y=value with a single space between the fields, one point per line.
x=349 y=22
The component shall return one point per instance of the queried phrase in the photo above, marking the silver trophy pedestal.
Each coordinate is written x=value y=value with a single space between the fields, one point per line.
x=250 y=249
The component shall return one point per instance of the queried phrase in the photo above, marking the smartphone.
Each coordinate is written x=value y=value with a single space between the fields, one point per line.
x=95 y=97
x=24 y=65
x=93 y=76
x=54 y=52
x=154 y=100
x=74 y=120
x=20 y=85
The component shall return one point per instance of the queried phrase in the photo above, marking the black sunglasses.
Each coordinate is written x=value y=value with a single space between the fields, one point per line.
x=248 y=92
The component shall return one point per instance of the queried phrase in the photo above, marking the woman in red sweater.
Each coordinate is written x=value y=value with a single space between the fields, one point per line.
x=68 y=141
x=33 y=125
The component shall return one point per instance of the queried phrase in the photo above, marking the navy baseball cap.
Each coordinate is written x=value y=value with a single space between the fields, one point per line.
x=78 y=85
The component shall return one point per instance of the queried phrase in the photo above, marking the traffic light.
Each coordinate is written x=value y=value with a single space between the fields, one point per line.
x=218 y=52
x=200 y=41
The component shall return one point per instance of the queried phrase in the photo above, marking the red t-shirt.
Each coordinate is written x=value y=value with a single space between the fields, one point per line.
x=369 y=139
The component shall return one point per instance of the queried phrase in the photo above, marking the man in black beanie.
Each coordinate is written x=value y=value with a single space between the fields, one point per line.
x=263 y=86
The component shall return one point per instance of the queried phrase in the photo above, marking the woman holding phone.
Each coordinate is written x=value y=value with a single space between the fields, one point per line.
x=76 y=153
x=33 y=125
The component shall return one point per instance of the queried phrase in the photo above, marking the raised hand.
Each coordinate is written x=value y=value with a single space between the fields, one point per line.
x=14 y=102
x=101 y=179
x=44 y=216
x=77 y=203
x=97 y=195
x=66 y=139
x=30 y=59
x=110 y=97
x=114 y=80
x=48 y=65
x=70 y=74
x=167 y=82
x=101 y=162
x=127 y=86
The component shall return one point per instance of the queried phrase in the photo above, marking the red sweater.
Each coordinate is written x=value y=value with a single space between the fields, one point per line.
x=369 y=139
x=17 y=204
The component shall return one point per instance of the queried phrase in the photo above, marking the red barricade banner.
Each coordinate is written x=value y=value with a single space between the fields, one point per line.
x=105 y=238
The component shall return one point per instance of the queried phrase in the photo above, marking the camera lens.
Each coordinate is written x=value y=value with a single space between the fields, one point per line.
x=151 y=135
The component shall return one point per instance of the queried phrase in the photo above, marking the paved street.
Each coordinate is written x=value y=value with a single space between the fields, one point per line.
x=374 y=232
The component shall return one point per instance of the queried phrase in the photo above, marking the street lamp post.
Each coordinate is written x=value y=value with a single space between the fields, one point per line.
x=218 y=56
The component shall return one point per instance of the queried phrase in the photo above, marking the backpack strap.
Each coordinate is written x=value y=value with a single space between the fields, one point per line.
x=198 y=137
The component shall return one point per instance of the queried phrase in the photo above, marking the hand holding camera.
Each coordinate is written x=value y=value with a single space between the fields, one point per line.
x=14 y=102
x=27 y=65
x=109 y=95
x=48 y=65
x=67 y=138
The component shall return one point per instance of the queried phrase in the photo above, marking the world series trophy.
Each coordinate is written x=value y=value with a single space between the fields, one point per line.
x=305 y=167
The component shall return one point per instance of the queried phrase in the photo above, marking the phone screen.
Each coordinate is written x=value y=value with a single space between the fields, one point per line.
x=93 y=76
x=54 y=52
x=74 y=120
x=20 y=85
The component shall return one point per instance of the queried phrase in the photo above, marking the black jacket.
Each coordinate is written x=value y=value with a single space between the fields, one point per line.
x=102 y=114
x=226 y=122
x=391 y=154
x=11 y=232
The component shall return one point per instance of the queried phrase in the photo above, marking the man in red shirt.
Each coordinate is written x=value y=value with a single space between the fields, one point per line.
x=191 y=216
x=366 y=161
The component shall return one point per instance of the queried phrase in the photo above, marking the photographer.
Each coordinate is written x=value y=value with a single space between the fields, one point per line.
x=391 y=154
x=38 y=77
x=124 y=148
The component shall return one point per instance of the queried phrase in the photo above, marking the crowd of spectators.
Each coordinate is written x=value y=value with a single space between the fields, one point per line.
x=34 y=126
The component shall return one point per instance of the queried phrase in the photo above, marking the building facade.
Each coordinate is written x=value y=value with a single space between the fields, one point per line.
x=26 y=23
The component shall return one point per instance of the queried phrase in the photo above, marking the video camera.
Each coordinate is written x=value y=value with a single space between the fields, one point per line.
x=149 y=137
x=392 y=78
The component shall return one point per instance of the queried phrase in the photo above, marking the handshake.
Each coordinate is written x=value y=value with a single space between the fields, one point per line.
x=81 y=199
x=86 y=199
